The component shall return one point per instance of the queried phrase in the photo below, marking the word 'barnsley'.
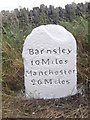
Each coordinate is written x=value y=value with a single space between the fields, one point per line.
x=49 y=51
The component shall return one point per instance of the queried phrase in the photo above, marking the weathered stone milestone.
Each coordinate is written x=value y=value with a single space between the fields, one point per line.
x=49 y=55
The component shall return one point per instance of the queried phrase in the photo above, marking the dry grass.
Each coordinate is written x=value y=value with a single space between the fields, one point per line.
x=16 y=106
x=70 y=107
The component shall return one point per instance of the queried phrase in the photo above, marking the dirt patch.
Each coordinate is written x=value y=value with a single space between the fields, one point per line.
x=70 y=107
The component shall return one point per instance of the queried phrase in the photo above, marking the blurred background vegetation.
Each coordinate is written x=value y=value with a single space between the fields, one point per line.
x=17 y=24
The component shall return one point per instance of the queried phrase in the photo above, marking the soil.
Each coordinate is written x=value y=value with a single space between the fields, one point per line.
x=70 y=107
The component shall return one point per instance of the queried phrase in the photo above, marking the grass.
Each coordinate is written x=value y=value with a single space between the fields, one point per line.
x=70 y=107
x=14 y=104
x=13 y=39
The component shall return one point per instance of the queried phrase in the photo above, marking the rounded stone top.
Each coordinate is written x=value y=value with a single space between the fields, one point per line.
x=52 y=31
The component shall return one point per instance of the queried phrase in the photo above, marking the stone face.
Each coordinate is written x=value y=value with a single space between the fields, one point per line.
x=49 y=55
